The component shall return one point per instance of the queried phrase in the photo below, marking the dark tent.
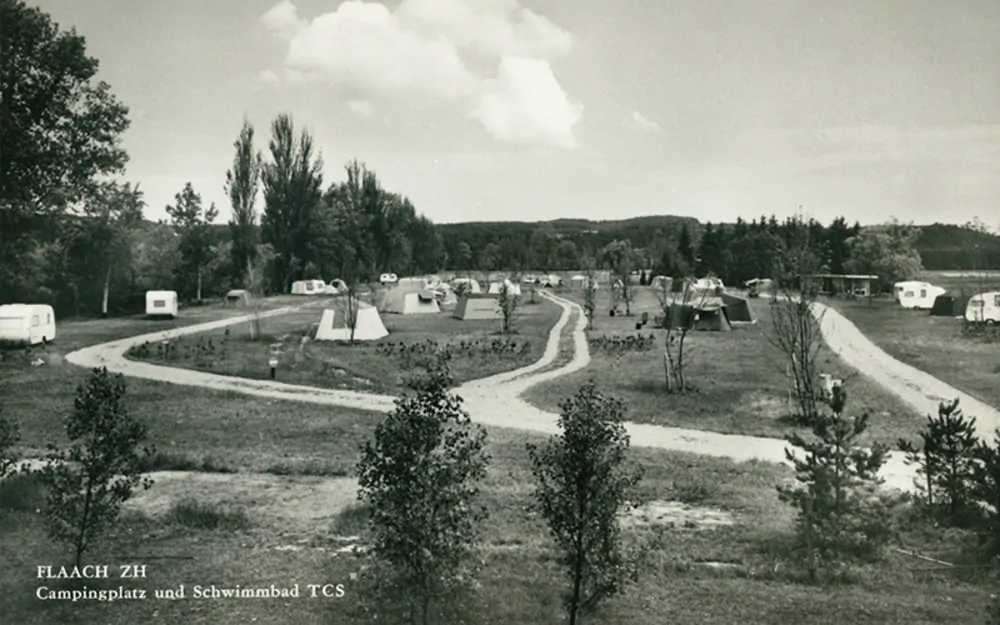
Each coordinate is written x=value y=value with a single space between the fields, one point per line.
x=948 y=306
x=713 y=319
x=737 y=309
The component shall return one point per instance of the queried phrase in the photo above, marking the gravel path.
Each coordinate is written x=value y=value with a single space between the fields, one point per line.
x=496 y=400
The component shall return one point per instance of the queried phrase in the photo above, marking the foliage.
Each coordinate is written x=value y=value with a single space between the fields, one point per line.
x=986 y=481
x=583 y=485
x=88 y=482
x=10 y=435
x=621 y=344
x=840 y=515
x=946 y=460
x=59 y=128
x=590 y=295
x=887 y=251
x=242 y=186
x=419 y=478
x=499 y=347
x=190 y=512
x=292 y=181
x=191 y=222
x=677 y=322
x=507 y=304
x=622 y=259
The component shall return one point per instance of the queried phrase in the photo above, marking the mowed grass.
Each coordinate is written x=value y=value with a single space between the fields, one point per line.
x=370 y=366
x=739 y=377
x=198 y=542
x=932 y=344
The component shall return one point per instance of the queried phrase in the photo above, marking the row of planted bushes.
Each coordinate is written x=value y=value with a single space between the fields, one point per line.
x=627 y=343
x=497 y=346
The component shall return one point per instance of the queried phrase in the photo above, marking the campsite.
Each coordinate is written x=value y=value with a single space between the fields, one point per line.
x=498 y=313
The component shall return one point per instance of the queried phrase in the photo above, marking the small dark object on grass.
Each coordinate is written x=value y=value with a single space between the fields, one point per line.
x=611 y=313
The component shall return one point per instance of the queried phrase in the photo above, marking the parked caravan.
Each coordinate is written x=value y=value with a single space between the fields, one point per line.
x=918 y=295
x=368 y=326
x=308 y=287
x=388 y=278
x=27 y=323
x=984 y=308
x=161 y=303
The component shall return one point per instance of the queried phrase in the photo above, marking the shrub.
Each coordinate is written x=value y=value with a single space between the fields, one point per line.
x=22 y=492
x=195 y=514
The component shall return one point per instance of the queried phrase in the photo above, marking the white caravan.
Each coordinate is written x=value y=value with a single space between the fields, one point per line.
x=984 y=308
x=27 y=323
x=161 y=303
x=918 y=295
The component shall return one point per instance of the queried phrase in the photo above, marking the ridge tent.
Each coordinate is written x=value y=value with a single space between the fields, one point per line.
x=948 y=306
x=27 y=323
x=475 y=306
x=403 y=302
x=495 y=287
x=737 y=309
x=706 y=317
x=237 y=298
x=161 y=303
x=473 y=284
x=368 y=325
x=308 y=287
x=578 y=282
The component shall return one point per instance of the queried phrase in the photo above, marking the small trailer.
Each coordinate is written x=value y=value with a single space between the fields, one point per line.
x=27 y=323
x=161 y=303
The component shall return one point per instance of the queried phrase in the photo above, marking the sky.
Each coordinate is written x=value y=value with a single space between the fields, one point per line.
x=487 y=110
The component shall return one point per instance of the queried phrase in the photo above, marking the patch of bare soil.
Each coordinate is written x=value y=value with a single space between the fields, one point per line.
x=677 y=515
x=289 y=503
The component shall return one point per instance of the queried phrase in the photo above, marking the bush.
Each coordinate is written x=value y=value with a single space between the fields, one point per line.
x=195 y=514
x=22 y=492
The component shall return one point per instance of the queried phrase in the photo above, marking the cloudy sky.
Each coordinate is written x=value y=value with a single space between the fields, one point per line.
x=540 y=109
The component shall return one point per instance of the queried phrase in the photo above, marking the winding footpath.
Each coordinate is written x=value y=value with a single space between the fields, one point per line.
x=496 y=400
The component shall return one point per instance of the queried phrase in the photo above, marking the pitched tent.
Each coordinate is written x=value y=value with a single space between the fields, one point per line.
x=919 y=295
x=712 y=319
x=403 y=302
x=948 y=306
x=27 y=323
x=578 y=282
x=333 y=326
x=412 y=284
x=308 y=287
x=496 y=286
x=161 y=303
x=473 y=284
x=737 y=309
x=473 y=306
x=238 y=298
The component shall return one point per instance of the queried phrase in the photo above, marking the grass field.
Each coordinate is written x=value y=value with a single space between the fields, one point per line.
x=932 y=344
x=739 y=377
x=752 y=581
x=477 y=348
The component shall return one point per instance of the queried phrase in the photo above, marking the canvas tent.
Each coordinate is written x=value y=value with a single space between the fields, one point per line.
x=578 y=281
x=920 y=295
x=161 y=303
x=333 y=326
x=948 y=306
x=472 y=288
x=237 y=298
x=513 y=288
x=737 y=309
x=308 y=287
x=984 y=308
x=707 y=316
x=473 y=306
x=549 y=281
x=27 y=323
x=404 y=302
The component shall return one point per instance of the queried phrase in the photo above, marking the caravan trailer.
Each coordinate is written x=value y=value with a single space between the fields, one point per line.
x=161 y=303
x=984 y=308
x=27 y=323
x=918 y=295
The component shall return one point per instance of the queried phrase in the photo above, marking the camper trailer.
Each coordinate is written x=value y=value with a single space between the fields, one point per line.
x=918 y=295
x=308 y=287
x=161 y=303
x=27 y=323
x=984 y=308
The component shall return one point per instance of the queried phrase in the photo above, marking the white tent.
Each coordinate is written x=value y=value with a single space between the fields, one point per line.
x=333 y=326
x=919 y=295
x=496 y=286
x=984 y=308
x=473 y=285
x=308 y=287
x=404 y=302
x=578 y=281
x=27 y=323
x=551 y=280
x=161 y=303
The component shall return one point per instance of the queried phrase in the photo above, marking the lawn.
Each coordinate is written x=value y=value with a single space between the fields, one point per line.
x=477 y=349
x=739 y=377
x=932 y=344
x=751 y=583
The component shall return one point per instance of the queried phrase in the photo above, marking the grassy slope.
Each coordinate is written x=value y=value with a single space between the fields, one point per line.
x=361 y=366
x=739 y=377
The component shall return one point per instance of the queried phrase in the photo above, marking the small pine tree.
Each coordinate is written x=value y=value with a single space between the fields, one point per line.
x=986 y=481
x=590 y=297
x=582 y=486
x=507 y=307
x=87 y=483
x=841 y=517
x=419 y=478
x=946 y=461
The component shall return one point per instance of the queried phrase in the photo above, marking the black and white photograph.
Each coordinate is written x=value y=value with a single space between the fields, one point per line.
x=510 y=312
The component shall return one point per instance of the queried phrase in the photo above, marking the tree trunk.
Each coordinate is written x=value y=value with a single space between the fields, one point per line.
x=199 y=283
x=107 y=290
x=84 y=521
x=668 y=373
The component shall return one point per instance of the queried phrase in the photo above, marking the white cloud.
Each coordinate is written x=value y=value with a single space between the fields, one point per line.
x=269 y=78
x=526 y=104
x=415 y=53
x=363 y=108
x=283 y=20
x=646 y=125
